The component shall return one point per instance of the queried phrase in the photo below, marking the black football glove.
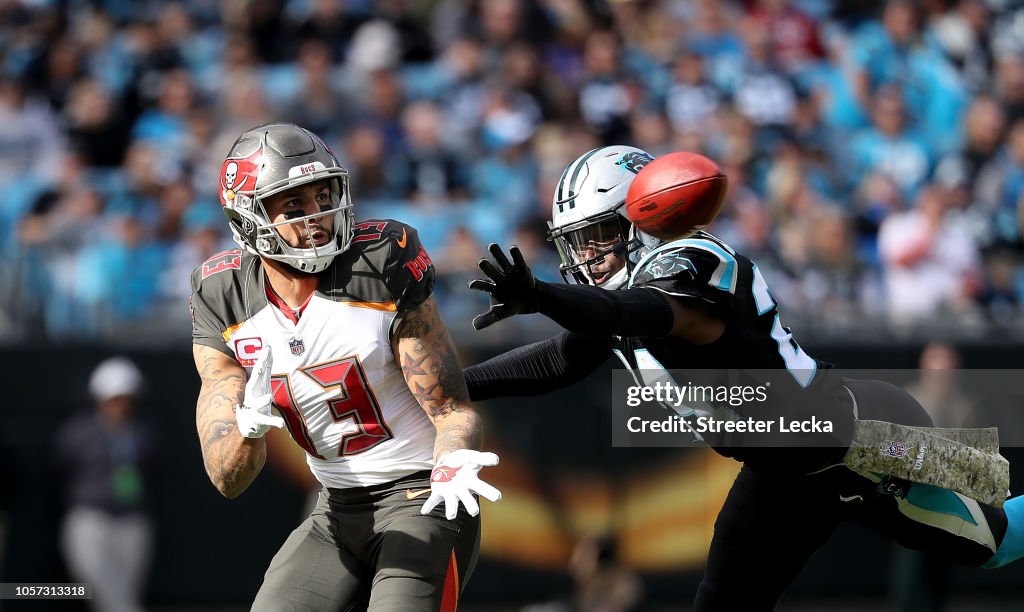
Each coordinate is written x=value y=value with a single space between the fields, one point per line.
x=512 y=288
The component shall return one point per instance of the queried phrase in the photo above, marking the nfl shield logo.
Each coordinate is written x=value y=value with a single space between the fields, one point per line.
x=296 y=345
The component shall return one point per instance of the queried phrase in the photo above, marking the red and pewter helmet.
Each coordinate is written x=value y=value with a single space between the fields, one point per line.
x=272 y=158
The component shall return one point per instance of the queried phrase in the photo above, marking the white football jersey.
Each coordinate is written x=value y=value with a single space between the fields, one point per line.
x=335 y=378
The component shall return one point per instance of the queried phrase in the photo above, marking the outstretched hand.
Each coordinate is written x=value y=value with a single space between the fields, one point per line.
x=256 y=415
x=454 y=479
x=512 y=287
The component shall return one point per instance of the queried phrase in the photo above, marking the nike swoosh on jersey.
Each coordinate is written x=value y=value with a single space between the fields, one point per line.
x=844 y=498
x=402 y=240
x=410 y=494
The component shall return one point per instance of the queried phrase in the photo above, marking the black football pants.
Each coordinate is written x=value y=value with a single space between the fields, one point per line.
x=771 y=524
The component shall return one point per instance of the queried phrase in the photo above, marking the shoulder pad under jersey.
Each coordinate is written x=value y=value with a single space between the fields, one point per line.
x=392 y=250
x=699 y=266
x=226 y=290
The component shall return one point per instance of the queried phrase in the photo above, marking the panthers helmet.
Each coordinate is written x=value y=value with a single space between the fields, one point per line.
x=272 y=158
x=588 y=211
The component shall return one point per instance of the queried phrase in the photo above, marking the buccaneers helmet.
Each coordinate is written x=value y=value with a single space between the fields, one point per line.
x=272 y=158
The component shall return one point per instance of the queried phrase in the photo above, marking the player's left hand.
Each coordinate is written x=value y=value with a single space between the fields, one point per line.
x=454 y=479
x=512 y=288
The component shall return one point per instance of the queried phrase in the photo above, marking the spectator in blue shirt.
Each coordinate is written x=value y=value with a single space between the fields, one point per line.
x=710 y=33
x=165 y=126
x=118 y=280
x=1006 y=209
x=889 y=146
x=881 y=50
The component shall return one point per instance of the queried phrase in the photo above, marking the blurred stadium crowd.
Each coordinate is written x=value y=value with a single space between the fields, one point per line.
x=875 y=150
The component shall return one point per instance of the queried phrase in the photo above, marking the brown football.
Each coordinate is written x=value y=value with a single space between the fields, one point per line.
x=676 y=195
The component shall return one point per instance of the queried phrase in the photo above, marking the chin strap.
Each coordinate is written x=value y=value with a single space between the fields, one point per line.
x=616 y=280
x=625 y=250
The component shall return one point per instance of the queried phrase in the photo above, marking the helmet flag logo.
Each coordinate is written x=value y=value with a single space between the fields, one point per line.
x=239 y=175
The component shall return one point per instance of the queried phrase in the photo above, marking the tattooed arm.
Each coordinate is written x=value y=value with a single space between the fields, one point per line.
x=232 y=461
x=431 y=368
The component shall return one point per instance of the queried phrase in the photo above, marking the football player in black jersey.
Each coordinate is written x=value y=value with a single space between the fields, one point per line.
x=695 y=303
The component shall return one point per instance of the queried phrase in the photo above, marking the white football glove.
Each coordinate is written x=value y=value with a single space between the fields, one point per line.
x=255 y=416
x=454 y=479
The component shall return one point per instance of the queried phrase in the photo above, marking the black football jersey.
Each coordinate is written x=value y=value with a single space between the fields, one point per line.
x=755 y=341
x=705 y=268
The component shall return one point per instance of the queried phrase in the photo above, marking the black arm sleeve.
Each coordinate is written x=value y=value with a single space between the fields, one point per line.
x=588 y=310
x=539 y=367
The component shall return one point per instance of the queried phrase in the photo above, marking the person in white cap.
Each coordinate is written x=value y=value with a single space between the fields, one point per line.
x=106 y=460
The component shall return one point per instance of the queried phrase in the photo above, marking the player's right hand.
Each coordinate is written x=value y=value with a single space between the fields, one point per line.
x=512 y=287
x=454 y=479
x=255 y=416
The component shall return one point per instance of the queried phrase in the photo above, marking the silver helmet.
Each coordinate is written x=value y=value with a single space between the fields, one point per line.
x=588 y=217
x=272 y=158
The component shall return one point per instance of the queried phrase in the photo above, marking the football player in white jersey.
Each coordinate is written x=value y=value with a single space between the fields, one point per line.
x=345 y=347
x=696 y=305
